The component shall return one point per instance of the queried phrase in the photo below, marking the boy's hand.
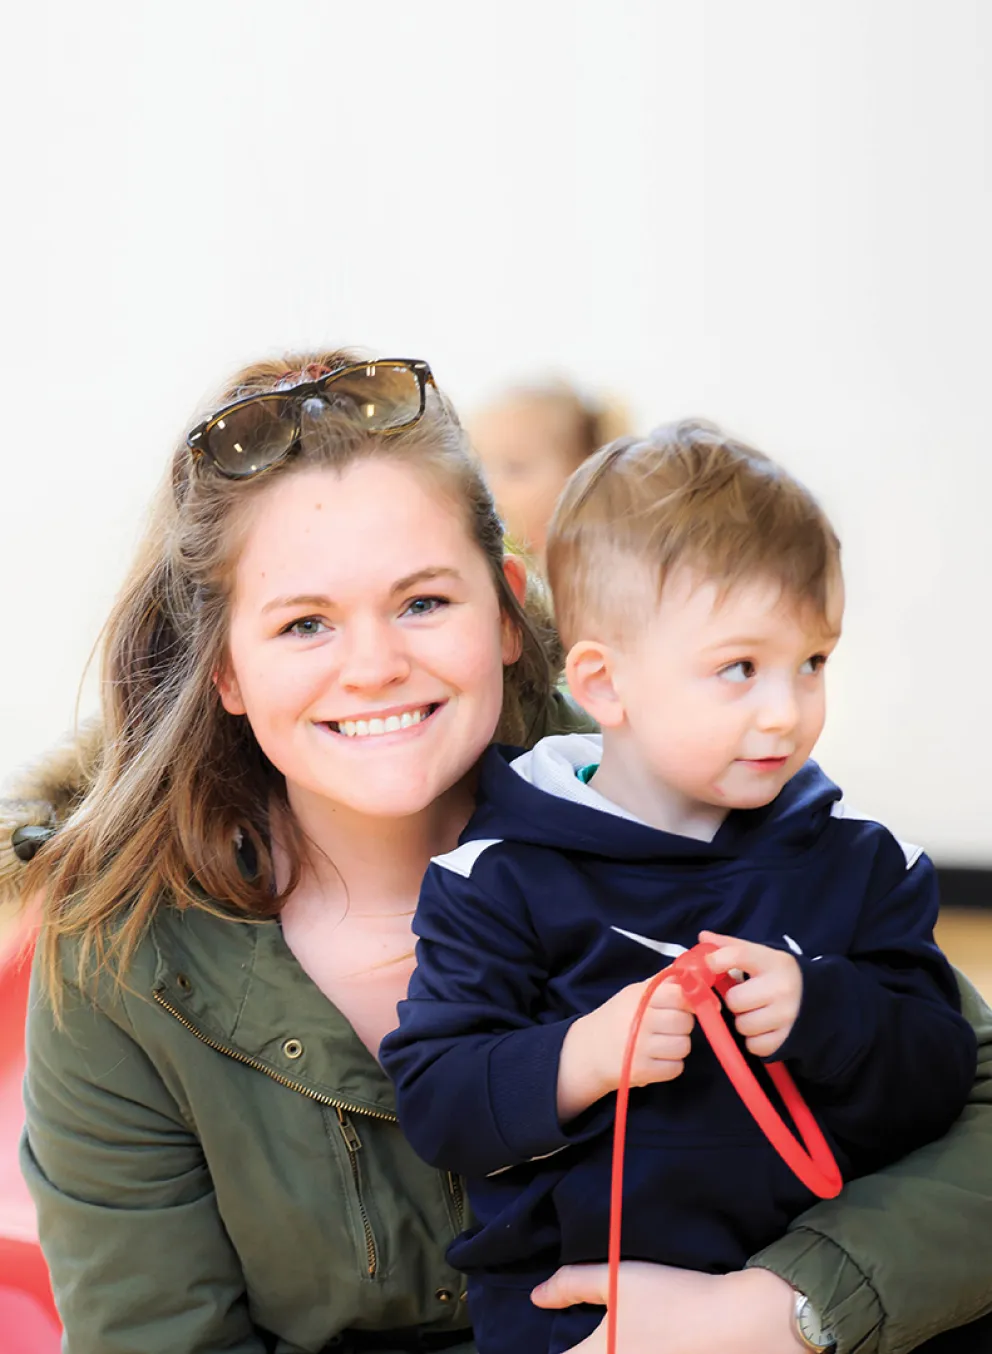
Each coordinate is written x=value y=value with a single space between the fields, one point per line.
x=592 y=1053
x=767 y=1002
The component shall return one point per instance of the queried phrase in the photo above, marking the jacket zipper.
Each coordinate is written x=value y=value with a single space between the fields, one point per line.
x=260 y=1067
x=354 y=1145
x=458 y=1197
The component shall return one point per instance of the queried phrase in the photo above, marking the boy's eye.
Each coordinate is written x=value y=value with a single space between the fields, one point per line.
x=424 y=606
x=741 y=671
x=306 y=627
x=814 y=665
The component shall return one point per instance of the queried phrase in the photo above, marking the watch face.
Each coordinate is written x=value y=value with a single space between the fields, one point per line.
x=811 y=1326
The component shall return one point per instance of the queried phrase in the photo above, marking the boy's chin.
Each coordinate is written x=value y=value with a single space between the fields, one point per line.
x=750 y=796
x=753 y=799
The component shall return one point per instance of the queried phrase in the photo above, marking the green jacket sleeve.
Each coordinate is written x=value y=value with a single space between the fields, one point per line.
x=904 y=1254
x=127 y=1216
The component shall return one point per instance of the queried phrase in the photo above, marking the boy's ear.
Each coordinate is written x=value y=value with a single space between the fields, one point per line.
x=516 y=575
x=589 y=674
x=228 y=689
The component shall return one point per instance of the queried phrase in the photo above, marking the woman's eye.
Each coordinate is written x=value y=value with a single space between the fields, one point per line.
x=741 y=671
x=814 y=665
x=425 y=606
x=306 y=627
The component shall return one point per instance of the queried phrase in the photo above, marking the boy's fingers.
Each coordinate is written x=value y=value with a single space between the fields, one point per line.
x=755 y=1023
x=670 y=1022
x=725 y=958
x=717 y=938
x=732 y=953
x=751 y=994
x=764 y=1045
x=673 y=1048
x=668 y=996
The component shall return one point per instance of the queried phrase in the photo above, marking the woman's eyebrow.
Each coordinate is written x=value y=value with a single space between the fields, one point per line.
x=423 y=575
x=314 y=599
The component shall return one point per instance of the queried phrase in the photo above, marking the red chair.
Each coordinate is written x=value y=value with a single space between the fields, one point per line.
x=28 y=1318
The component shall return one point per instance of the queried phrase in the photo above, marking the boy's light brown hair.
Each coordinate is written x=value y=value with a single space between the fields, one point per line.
x=685 y=495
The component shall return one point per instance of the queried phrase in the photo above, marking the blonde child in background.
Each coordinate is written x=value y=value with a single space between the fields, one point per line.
x=529 y=441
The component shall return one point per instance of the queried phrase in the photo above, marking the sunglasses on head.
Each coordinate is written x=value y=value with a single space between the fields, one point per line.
x=254 y=433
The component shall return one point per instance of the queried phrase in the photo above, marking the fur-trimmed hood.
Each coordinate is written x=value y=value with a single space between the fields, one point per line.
x=42 y=796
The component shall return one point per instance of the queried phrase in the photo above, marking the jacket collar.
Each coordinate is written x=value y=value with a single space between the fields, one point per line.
x=242 y=989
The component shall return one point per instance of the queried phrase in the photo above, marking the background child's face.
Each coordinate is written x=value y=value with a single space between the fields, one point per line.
x=725 y=699
x=528 y=449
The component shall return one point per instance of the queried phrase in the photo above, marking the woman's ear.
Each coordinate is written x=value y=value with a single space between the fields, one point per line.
x=515 y=572
x=228 y=689
x=589 y=675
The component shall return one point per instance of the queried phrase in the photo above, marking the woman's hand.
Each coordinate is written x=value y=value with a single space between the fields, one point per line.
x=679 y=1311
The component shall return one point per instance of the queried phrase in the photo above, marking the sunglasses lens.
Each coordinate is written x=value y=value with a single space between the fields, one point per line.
x=249 y=439
x=380 y=396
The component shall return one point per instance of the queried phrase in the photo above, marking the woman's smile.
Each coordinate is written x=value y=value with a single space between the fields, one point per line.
x=404 y=720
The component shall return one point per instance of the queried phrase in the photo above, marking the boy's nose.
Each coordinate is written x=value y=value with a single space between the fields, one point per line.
x=779 y=710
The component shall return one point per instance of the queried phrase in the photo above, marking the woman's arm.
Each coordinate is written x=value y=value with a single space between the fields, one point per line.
x=904 y=1253
x=127 y=1216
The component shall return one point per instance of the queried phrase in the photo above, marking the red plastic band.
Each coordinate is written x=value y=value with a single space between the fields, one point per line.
x=813 y=1163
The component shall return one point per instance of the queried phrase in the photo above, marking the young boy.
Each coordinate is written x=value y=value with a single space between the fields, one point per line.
x=698 y=589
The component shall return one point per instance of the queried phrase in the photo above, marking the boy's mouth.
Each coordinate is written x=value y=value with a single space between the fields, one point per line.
x=373 y=726
x=765 y=763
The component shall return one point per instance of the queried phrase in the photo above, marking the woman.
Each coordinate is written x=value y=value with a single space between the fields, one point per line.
x=320 y=635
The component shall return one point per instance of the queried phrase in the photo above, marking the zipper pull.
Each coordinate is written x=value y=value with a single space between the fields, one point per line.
x=349 y=1132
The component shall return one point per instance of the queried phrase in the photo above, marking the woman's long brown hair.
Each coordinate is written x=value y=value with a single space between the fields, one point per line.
x=180 y=780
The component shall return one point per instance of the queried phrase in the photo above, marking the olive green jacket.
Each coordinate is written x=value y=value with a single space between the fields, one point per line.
x=217 y=1166
x=216 y=1162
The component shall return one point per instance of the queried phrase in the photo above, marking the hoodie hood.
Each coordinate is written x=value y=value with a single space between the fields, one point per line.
x=536 y=797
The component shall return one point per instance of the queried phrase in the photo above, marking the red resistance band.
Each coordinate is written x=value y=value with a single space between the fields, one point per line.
x=813 y=1163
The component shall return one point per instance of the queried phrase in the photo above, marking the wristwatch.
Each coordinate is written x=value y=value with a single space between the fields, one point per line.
x=808 y=1326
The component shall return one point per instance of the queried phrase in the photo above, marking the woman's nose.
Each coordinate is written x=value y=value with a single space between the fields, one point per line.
x=373 y=655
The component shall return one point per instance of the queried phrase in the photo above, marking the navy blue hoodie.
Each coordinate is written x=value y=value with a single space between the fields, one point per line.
x=516 y=942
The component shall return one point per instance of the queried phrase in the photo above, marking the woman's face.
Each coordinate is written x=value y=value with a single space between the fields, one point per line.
x=366 y=642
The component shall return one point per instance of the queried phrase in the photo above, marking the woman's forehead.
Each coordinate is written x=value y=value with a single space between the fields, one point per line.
x=361 y=529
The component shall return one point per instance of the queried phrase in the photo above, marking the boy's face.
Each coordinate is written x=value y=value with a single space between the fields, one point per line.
x=724 y=699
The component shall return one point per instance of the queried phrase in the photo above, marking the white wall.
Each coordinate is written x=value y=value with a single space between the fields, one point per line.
x=771 y=213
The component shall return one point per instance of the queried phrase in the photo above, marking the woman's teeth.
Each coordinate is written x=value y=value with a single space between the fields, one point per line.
x=368 y=728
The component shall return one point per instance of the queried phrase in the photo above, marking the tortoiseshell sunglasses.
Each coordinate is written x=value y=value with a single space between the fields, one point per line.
x=256 y=432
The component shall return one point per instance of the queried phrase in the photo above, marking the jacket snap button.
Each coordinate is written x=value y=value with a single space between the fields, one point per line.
x=444 y=1295
x=183 y=983
x=292 y=1048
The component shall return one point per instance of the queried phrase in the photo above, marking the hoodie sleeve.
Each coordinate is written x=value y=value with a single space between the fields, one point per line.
x=880 y=1040
x=475 y=1066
